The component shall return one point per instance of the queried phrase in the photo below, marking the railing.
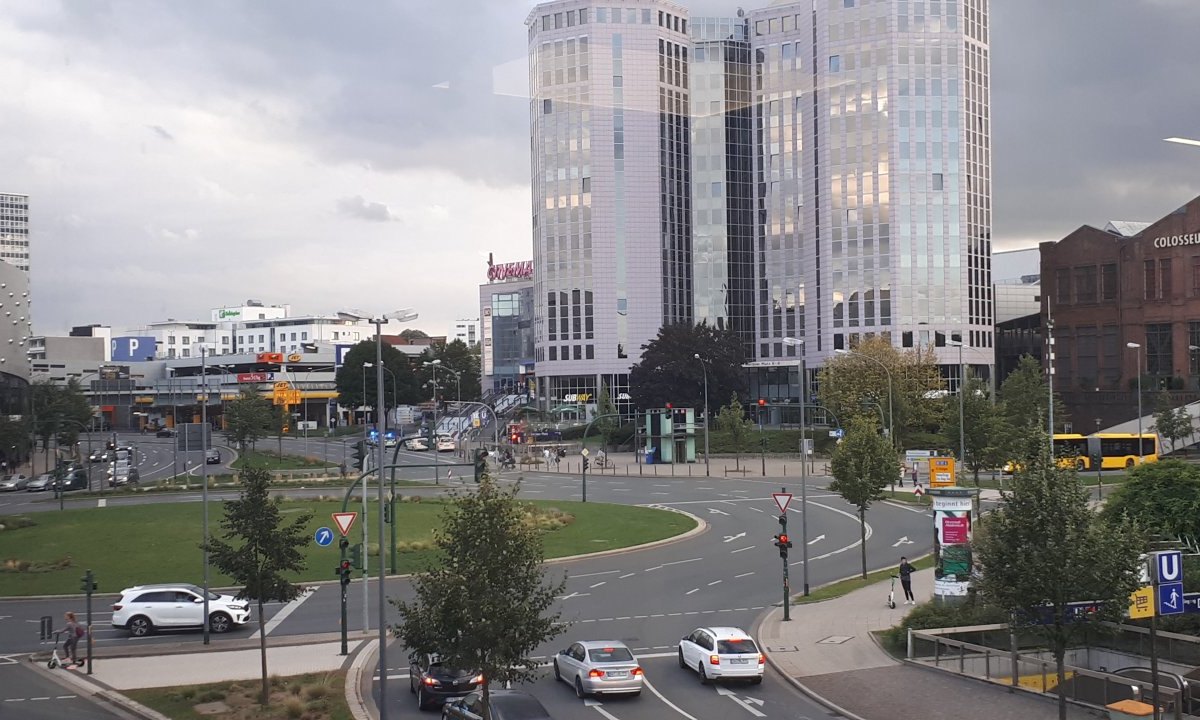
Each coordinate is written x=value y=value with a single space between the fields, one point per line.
x=1030 y=673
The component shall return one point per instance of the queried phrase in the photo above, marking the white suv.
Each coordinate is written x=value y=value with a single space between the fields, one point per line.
x=722 y=652
x=144 y=608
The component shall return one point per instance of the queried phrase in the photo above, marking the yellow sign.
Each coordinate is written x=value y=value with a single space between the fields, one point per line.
x=282 y=385
x=294 y=357
x=287 y=397
x=1141 y=603
x=941 y=472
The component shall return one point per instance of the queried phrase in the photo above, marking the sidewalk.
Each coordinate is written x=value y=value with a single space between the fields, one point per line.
x=827 y=649
x=749 y=466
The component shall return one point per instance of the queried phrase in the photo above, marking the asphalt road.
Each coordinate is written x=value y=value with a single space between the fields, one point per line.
x=648 y=599
x=28 y=695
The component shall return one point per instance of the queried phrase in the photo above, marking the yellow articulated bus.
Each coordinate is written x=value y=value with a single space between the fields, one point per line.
x=1116 y=450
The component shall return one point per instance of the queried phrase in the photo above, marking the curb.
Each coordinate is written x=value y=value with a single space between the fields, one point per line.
x=98 y=693
x=357 y=686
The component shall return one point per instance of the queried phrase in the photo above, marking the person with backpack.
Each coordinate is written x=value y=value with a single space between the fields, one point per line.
x=75 y=631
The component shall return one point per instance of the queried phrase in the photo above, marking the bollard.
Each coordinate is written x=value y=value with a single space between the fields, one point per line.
x=47 y=627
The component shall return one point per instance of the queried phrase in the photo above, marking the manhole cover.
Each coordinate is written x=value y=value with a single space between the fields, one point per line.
x=835 y=640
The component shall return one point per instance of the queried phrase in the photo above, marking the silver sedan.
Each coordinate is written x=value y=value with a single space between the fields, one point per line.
x=593 y=667
x=10 y=483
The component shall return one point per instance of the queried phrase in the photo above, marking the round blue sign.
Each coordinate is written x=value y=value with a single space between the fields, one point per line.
x=323 y=536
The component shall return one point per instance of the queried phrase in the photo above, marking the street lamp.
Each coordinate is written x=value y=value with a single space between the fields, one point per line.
x=433 y=365
x=364 y=396
x=962 y=387
x=1138 y=347
x=795 y=342
x=707 y=472
x=891 y=417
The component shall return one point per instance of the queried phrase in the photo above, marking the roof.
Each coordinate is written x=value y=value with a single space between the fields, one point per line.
x=1125 y=228
x=721 y=632
x=592 y=644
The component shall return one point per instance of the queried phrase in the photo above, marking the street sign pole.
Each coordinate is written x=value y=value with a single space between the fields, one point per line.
x=782 y=499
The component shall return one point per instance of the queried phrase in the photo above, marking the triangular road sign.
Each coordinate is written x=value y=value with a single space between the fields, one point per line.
x=782 y=500
x=345 y=521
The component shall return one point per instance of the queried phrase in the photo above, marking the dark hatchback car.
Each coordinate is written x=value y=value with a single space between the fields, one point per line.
x=506 y=705
x=434 y=684
x=165 y=432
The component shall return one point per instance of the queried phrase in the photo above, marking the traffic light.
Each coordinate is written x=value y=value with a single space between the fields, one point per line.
x=88 y=581
x=480 y=464
x=783 y=523
x=762 y=402
x=585 y=464
x=783 y=543
x=387 y=512
x=360 y=452
x=356 y=556
x=343 y=544
x=343 y=571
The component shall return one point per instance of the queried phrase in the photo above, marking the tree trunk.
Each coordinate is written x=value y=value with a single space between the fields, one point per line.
x=1061 y=667
x=862 y=536
x=487 y=700
x=262 y=648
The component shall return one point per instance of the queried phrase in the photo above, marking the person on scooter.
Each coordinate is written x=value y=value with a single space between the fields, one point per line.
x=74 y=631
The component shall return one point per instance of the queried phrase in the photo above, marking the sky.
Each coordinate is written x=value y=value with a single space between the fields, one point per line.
x=182 y=156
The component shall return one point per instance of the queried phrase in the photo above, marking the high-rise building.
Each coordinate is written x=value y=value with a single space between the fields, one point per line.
x=823 y=173
x=14 y=230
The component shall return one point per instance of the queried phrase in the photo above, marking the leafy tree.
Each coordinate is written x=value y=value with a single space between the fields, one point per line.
x=414 y=334
x=670 y=373
x=1024 y=394
x=484 y=602
x=606 y=426
x=258 y=549
x=400 y=386
x=1044 y=548
x=853 y=384
x=459 y=358
x=59 y=411
x=1162 y=497
x=732 y=421
x=14 y=441
x=863 y=464
x=1172 y=424
x=249 y=419
x=984 y=423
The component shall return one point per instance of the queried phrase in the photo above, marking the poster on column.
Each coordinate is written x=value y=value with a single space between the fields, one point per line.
x=952 y=541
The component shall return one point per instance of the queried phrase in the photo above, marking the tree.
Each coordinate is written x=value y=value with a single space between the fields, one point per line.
x=1172 y=424
x=14 y=440
x=248 y=419
x=459 y=358
x=985 y=428
x=414 y=334
x=669 y=371
x=484 y=603
x=606 y=426
x=1162 y=497
x=400 y=386
x=1024 y=394
x=259 y=549
x=863 y=464
x=59 y=411
x=1045 y=548
x=732 y=421
x=857 y=384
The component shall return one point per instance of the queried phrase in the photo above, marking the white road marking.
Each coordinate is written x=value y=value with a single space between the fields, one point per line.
x=677 y=562
x=278 y=618
x=626 y=575
x=748 y=547
x=593 y=587
x=818 y=539
x=596 y=705
x=689 y=592
x=595 y=574
x=662 y=697
x=731 y=538
x=742 y=576
x=573 y=595
x=715 y=582
x=714 y=511
x=726 y=692
x=902 y=541
x=757 y=509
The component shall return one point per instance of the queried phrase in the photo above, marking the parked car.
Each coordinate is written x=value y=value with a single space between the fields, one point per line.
x=142 y=609
x=165 y=432
x=722 y=652
x=212 y=456
x=505 y=705
x=9 y=483
x=434 y=683
x=42 y=482
x=594 y=667
x=445 y=443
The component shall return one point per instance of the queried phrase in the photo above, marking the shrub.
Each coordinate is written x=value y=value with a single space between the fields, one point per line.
x=316 y=691
x=930 y=615
x=16 y=522
x=210 y=696
x=294 y=708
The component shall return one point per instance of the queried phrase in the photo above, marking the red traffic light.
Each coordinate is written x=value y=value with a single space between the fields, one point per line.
x=762 y=402
x=783 y=539
x=670 y=405
x=345 y=565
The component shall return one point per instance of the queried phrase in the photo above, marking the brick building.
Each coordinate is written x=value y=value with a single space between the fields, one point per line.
x=1104 y=288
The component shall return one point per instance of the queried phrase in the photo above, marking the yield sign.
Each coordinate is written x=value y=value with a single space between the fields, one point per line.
x=345 y=521
x=782 y=500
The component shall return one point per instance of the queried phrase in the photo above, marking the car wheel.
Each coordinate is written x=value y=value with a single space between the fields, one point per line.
x=1129 y=463
x=422 y=703
x=756 y=680
x=557 y=675
x=220 y=623
x=579 y=693
x=703 y=674
x=682 y=664
x=140 y=626
x=1080 y=465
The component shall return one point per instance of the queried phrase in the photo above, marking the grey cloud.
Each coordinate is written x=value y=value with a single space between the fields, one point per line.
x=160 y=131
x=358 y=207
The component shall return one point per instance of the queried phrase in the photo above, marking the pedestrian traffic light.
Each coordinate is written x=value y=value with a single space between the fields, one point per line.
x=360 y=452
x=356 y=556
x=480 y=464
x=783 y=543
x=343 y=571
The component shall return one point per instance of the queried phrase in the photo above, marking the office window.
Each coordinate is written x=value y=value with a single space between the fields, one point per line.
x=1085 y=284
x=1108 y=281
x=1194 y=341
x=187 y=340
x=937 y=181
x=1158 y=349
x=835 y=63
x=1149 y=279
x=1164 y=278
x=1062 y=286
x=304 y=335
x=170 y=339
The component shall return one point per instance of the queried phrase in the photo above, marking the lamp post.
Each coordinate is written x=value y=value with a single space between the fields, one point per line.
x=888 y=373
x=204 y=476
x=1138 y=347
x=704 y=369
x=433 y=365
x=962 y=386
x=457 y=382
x=796 y=342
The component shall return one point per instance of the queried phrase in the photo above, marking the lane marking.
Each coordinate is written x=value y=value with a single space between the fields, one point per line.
x=726 y=692
x=596 y=705
x=751 y=547
x=596 y=574
x=689 y=592
x=649 y=686
x=715 y=582
x=602 y=582
x=283 y=613
x=677 y=562
x=742 y=576
x=626 y=575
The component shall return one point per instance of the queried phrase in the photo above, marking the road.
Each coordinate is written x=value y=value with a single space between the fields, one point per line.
x=28 y=695
x=648 y=599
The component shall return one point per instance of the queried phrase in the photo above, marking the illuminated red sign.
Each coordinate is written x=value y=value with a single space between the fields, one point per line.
x=511 y=271
x=255 y=377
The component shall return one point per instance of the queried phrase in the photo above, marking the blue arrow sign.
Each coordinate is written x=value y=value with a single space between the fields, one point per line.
x=324 y=537
x=1170 y=599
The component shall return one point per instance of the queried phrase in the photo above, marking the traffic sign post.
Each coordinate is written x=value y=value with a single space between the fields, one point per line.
x=1167 y=567
x=1170 y=599
x=782 y=500
x=323 y=537
x=344 y=521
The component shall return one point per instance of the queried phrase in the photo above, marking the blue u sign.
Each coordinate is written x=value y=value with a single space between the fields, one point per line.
x=1168 y=566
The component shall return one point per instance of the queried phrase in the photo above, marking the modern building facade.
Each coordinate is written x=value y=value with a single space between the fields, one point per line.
x=16 y=329
x=819 y=171
x=1126 y=283
x=506 y=306
x=465 y=330
x=14 y=230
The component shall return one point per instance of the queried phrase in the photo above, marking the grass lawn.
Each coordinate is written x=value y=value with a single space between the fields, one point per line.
x=907 y=496
x=843 y=587
x=275 y=461
x=128 y=545
x=316 y=697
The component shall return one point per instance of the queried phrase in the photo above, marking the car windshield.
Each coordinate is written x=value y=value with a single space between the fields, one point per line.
x=610 y=655
x=736 y=646
x=437 y=668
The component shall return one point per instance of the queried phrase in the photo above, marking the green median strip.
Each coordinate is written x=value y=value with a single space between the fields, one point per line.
x=318 y=696
x=844 y=587
x=275 y=461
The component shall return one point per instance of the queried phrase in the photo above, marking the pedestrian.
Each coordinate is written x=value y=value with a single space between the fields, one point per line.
x=914 y=475
x=906 y=571
x=74 y=630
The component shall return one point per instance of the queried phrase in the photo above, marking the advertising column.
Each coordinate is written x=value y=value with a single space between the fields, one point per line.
x=952 y=526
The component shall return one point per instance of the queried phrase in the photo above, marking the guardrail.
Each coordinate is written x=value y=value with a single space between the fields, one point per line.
x=1027 y=672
